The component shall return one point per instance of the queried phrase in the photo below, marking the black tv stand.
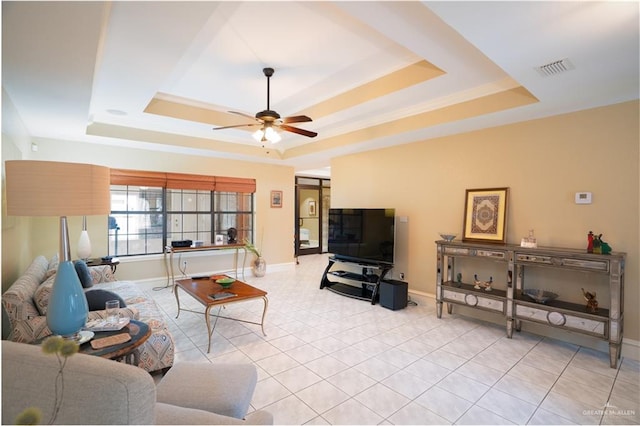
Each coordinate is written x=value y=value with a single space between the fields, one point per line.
x=360 y=279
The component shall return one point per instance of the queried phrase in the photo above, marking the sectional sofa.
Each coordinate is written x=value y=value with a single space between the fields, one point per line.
x=25 y=303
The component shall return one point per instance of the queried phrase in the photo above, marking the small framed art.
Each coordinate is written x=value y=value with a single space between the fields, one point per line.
x=276 y=198
x=485 y=215
x=312 y=208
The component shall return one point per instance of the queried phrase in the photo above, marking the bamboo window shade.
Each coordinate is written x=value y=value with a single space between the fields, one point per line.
x=182 y=181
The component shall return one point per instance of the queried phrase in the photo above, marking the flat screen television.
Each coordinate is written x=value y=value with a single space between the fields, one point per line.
x=366 y=235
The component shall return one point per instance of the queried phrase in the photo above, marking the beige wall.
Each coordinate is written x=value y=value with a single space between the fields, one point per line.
x=16 y=244
x=543 y=162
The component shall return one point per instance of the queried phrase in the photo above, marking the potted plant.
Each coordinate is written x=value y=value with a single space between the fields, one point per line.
x=259 y=265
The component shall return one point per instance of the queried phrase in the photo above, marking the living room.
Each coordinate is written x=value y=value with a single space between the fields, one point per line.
x=544 y=161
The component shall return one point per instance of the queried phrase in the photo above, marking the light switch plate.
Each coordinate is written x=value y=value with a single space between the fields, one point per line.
x=583 y=198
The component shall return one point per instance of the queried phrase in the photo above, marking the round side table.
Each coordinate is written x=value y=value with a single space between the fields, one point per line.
x=139 y=332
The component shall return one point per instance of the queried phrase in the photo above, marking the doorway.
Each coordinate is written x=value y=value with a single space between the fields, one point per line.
x=313 y=198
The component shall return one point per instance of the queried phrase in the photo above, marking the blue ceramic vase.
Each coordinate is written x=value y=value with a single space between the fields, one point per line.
x=67 y=311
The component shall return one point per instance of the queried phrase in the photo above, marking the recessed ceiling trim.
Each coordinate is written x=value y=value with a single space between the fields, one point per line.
x=136 y=134
x=500 y=101
x=401 y=79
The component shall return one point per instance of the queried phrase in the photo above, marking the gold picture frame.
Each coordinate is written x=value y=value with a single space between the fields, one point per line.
x=485 y=215
x=276 y=199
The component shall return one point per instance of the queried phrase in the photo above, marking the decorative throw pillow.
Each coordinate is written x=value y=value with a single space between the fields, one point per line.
x=98 y=297
x=83 y=273
x=52 y=268
x=102 y=274
x=42 y=294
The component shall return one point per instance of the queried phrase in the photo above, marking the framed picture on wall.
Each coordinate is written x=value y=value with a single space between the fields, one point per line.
x=485 y=215
x=312 y=208
x=276 y=198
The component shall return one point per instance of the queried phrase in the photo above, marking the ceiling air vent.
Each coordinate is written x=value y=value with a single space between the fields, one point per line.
x=555 y=67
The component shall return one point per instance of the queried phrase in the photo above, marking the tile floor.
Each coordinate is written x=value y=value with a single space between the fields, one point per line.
x=329 y=359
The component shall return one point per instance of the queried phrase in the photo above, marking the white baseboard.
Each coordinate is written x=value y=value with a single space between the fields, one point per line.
x=630 y=348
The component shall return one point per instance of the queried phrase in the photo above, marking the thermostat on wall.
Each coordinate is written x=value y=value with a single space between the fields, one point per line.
x=583 y=198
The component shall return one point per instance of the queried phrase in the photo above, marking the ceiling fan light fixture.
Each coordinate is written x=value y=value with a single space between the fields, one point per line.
x=270 y=120
x=271 y=135
x=267 y=134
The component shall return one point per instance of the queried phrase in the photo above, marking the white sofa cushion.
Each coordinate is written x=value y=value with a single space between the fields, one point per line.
x=96 y=390
x=219 y=388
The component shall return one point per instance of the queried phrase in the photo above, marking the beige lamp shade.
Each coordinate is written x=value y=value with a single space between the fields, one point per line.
x=49 y=188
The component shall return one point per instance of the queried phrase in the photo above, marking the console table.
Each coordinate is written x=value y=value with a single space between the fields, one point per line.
x=169 y=252
x=507 y=298
x=112 y=263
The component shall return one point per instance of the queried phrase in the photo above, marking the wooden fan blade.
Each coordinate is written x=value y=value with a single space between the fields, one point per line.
x=298 y=131
x=243 y=114
x=237 y=125
x=296 y=119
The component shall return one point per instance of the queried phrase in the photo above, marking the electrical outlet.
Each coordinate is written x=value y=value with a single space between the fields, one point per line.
x=402 y=275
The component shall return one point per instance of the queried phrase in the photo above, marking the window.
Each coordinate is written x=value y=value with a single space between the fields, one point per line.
x=144 y=219
x=136 y=224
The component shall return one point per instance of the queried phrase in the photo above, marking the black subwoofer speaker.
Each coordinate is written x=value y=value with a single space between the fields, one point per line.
x=393 y=294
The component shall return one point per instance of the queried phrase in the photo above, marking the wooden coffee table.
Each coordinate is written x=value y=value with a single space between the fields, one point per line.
x=203 y=290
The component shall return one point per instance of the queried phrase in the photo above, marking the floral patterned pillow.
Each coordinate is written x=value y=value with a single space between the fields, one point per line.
x=53 y=267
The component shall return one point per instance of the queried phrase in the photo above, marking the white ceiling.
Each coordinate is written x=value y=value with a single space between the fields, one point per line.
x=94 y=72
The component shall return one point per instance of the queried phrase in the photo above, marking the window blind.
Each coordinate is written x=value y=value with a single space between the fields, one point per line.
x=182 y=181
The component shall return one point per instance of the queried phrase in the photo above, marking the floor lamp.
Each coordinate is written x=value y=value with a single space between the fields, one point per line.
x=47 y=188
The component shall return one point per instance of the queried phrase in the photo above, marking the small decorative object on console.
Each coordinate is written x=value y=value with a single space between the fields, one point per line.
x=181 y=243
x=539 y=296
x=530 y=241
x=448 y=236
x=232 y=235
x=592 y=303
x=459 y=280
x=482 y=284
x=596 y=245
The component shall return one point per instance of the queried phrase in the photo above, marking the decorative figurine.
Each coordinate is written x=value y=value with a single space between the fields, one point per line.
x=596 y=245
x=459 y=279
x=592 y=303
x=232 y=236
x=487 y=286
x=590 y=242
x=482 y=284
x=530 y=241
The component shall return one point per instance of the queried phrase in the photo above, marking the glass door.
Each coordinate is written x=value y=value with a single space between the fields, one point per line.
x=312 y=196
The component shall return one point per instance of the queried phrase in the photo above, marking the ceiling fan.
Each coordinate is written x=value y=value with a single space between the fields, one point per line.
x=269 y=120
